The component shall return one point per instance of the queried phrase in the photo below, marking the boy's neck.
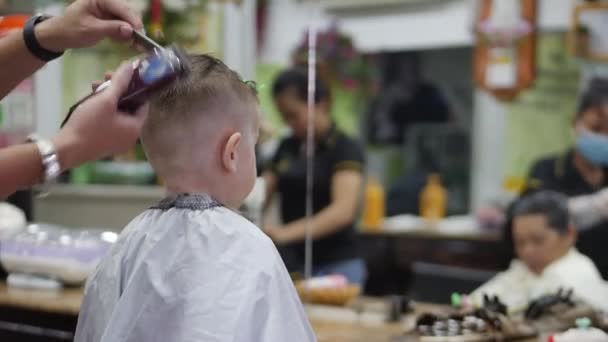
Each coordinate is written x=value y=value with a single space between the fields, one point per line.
x=190 y=186
x=176 y=188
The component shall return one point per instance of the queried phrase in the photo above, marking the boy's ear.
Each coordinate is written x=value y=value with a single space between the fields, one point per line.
x=230 y=152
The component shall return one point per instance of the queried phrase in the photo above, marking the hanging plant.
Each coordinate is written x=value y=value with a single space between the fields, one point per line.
x=166 y=21
x=177 y=21
x=338 y=60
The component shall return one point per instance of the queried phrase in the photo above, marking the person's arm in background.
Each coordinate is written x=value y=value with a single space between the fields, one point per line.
x=588 y=210
x=84 y=23
x=96 y=129
x=270 y=180
x=346 y=188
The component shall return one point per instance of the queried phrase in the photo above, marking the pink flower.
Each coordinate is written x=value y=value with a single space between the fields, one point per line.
x=350 y=83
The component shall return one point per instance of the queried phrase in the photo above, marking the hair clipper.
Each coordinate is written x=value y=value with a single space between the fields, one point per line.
x=156 y=70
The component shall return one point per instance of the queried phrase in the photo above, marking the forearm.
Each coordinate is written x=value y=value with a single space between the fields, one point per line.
x=20 y=167
x=589 y=210
x=270 y=180
x=326 y=222
x=267 y=218
x=84 y=23
x=17 y=62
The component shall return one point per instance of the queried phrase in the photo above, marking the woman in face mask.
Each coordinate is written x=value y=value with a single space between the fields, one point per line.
x=583 y=170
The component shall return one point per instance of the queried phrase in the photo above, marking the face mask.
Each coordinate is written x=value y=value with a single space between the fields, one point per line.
x=593 y=147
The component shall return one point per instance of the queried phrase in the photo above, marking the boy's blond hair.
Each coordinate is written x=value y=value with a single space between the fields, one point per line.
x=184 y=118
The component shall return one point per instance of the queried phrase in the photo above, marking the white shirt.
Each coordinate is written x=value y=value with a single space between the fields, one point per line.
x=184 y=274
x=517 y=286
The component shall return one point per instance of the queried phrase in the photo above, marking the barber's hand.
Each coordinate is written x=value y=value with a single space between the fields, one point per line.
x=97 y=128
x=86 y=22
x=107 y=77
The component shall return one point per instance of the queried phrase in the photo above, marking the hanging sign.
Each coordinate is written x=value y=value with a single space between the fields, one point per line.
x=504 y=57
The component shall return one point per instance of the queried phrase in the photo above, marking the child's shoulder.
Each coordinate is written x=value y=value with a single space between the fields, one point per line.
x=578 y=260
x=219 y=225
x=230 y=220
x=232 y=229
x=573 y=263
x=216 y=238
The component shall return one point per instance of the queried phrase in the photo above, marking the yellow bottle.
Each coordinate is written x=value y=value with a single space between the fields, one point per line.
x=433 y=199
x=373 y=210
x=515 y=185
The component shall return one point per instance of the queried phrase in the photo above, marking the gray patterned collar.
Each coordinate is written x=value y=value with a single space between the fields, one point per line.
x=188 y=201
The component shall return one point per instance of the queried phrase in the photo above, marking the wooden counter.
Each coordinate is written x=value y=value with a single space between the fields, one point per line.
x=353 y=332
x=38 y=316
x=35 y=316
x=57 y=312
x=434 y=234
x=66 y=301
x=333 y=324
x=362 y=322
x=350 y=332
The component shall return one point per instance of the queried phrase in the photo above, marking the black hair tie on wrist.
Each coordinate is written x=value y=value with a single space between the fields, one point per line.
x=32 y=44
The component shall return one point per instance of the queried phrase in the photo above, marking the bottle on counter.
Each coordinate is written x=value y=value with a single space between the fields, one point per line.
x=433 y=199
x=374 y=205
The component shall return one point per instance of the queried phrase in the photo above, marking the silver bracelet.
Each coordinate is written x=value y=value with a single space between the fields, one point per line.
x=50 y=161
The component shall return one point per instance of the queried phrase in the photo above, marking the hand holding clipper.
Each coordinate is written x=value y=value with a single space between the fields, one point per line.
x=98 y=129
x=153 y=72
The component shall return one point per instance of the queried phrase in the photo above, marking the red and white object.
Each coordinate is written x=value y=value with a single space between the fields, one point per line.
x=326 y=282
x=17 y=109
x=576 y=335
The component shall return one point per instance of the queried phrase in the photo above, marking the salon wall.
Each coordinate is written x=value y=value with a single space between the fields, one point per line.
x=505 y=143
x=539 y=121
x=439 y=24
x=425 y=27
x=287 y=21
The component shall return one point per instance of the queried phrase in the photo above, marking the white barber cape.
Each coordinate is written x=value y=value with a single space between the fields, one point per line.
x=192 y=270
x=517 y=286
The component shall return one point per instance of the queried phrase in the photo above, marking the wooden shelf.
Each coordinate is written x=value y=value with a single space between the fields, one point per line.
x=100 y=206
x=108 y=191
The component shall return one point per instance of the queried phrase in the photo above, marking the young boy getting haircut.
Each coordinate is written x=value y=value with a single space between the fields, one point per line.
x=191 y=268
